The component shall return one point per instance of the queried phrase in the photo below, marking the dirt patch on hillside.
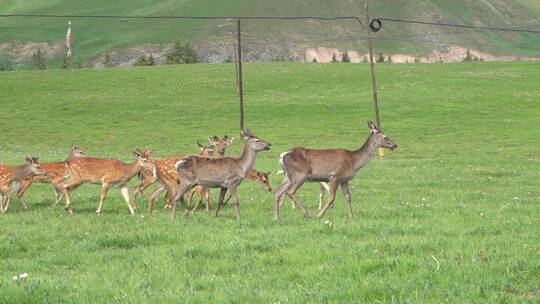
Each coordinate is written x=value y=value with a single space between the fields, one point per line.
x=19 y=51
x=454 y=53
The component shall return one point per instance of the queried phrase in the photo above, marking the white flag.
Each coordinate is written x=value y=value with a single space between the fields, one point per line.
x=68 y=40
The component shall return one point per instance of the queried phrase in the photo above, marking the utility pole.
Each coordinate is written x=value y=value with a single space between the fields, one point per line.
x=373 y=78
x=240 y=87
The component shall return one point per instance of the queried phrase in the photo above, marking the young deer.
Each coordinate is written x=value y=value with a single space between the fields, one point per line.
x=165 y=171
x=107 y=172
x=336 y=167
x=259 y=177
x=225 y=173
x=14 y=174
x=56 y=175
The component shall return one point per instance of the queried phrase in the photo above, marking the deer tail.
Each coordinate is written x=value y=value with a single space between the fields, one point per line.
x=281 y=156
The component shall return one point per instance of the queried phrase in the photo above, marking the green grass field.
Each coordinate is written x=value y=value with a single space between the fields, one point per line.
x=451 y=216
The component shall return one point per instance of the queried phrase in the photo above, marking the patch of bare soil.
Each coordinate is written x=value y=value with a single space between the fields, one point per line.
x=21 y=51
x=455 y=53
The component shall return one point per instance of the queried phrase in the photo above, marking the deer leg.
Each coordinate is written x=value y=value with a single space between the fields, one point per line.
x=154 y=195
x=190 y=199
x=58 y=194
x=180 y=196
x=24 y=185
x=347 y=195
x=1 y=202
x=125 y=193
x=331 y=197
x=227 y=200
x=221 y=203
x=291 y=192
x=67 y=189
x=200 y=194
x=236 y=201
x=103 y=194
x=139 y=189
x=279 y=195
x=7 y=200
x=323 y=189
x=207 y=198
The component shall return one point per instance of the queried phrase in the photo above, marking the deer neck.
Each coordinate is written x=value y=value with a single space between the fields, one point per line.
x=247 y=160
x=365 y=153
x=21 y=171
x=132 y=169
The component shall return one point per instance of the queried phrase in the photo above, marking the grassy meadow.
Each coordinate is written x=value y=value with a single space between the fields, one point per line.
x=451 y=216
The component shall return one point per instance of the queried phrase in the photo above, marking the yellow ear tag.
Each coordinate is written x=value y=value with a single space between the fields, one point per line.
x=381 y=153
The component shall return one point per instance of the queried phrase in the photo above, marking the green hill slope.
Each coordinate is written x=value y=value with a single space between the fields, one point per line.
x=267 y=39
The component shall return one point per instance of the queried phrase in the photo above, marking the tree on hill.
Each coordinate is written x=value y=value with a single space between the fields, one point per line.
x=364 y=60
x=39 y=61
x=79 y=63
x=6 y=64
x=380 y=59
x=389 y=59
x=66 y=64
x=182 y=53
x=107 y=61
x=145 y=61
x=334 y=59
x=345 y=57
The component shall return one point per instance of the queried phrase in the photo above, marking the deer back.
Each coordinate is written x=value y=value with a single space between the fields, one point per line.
x=166 y=168
x=98 y=170
x=318 y=163
x=6 y=174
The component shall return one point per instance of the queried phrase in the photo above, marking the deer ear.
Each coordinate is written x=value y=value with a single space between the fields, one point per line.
x=372 y=127
x=230 y=140
x=136 y=153
x=268 y=173
x=199 y=145
x=34 y=159
x=28 y=160
x=210 y=140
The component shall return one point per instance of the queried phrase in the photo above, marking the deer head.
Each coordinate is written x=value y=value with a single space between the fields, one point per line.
x=33 y=166
x=143 y=158
x=379 y=139
x=206 y=150
x=253 y=142
x=264 y=180
x=220 y=145
x=76 y=151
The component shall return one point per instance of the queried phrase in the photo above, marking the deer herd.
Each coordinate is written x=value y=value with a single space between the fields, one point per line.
x=190 y=175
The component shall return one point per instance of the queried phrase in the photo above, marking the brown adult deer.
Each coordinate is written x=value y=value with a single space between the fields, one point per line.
x=165 y=171
x=57 y=173
x=225 y=173
x=14 y=174
x=334 y=166
x=107 y=172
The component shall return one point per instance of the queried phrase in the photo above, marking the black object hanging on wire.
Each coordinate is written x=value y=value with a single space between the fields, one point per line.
x=375 y=25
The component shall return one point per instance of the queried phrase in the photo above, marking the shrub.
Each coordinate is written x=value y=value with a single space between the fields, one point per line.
x=39 y=61
x=345 y=57
x=182 y=53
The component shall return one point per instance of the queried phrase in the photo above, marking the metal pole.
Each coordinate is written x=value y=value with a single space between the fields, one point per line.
x=240 y=87
x=373 y=78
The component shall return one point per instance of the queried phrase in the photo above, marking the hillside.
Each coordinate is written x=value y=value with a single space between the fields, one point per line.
x=265 y=40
